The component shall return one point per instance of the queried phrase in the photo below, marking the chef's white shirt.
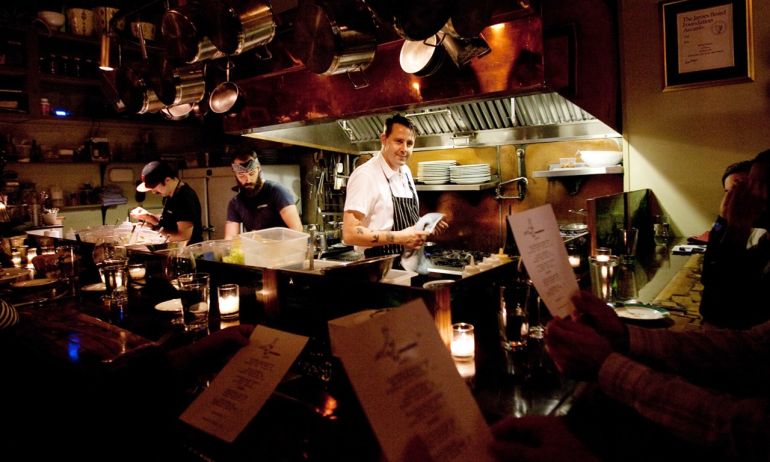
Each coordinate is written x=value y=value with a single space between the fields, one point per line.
x=369 y=192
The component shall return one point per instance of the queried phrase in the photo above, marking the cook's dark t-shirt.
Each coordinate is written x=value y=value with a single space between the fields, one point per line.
x=183 y=206
x=263 y=210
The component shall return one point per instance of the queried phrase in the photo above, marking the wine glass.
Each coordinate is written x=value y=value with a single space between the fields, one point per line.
x=178 y=261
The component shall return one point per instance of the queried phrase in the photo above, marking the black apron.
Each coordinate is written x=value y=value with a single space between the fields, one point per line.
x=406 y=212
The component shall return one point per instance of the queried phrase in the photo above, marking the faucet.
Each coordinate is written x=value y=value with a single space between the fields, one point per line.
x=522 y=183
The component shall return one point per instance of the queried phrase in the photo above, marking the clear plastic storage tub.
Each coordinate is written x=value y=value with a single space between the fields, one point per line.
x=271 y=247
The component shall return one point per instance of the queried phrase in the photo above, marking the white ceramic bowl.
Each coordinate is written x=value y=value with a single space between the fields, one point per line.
x=52 y=19
x=601 y=158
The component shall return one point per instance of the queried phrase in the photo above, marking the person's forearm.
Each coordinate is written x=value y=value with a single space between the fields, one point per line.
x=365 y=237
x=740 y=427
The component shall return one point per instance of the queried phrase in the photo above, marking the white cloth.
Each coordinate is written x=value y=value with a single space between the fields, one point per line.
x=369 y=192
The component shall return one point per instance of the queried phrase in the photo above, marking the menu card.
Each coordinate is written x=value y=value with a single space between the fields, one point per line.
x=240 y=390
x=404 y=376
x=543 y=252
x=414 y=259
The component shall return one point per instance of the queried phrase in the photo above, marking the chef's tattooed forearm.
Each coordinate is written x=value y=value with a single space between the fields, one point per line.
x=375 y=238
x=390 y=237
x=359 y=230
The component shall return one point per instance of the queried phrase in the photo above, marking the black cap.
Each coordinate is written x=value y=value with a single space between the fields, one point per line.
x=154 y=174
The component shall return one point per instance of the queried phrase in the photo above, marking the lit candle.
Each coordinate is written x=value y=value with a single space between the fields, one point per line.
x=463 y=341
x=16 y=259
x=574 y=261
x=229 y=301
x=136 y=271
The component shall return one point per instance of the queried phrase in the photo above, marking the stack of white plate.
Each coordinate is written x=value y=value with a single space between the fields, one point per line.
x=434 y=171
x=469 y=174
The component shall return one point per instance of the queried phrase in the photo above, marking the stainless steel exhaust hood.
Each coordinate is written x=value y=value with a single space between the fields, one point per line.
x=531 y=87
x=513 y=120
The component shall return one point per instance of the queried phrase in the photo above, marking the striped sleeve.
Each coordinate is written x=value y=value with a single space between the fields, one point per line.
x=8 y=315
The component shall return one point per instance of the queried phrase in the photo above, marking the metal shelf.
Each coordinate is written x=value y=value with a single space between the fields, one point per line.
x=577 y=171
x=456 y=187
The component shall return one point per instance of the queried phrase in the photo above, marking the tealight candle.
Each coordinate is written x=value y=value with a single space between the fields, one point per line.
x=136 y=271
x=229 y=301
x=16 y=259
x=574 y=261
x=463 y=345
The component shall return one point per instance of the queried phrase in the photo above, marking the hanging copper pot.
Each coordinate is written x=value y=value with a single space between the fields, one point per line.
x=413 y=19
x=184 y=36
x=332 y=40
x=233 y=30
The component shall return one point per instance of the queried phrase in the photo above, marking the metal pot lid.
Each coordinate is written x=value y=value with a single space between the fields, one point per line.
x=314 y=37
x=181 y=34
x=469 y=19
x=223 y=26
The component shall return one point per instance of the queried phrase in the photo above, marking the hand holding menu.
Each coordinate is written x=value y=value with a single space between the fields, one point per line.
x=542 y=249
x=418 y=405
x=244 y=384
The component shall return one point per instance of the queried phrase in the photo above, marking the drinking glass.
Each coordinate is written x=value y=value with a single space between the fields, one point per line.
x=194 y=292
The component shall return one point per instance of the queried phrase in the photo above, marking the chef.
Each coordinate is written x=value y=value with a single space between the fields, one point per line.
x=180 y=219
x=381 y=205
x=259 y=203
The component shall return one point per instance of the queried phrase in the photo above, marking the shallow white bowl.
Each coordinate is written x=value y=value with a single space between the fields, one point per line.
x=52 y=19
x=601 y=158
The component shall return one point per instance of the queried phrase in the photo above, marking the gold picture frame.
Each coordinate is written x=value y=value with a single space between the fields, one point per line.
x=706 y=42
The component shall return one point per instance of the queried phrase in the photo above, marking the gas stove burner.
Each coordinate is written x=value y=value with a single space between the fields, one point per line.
x=455 y=259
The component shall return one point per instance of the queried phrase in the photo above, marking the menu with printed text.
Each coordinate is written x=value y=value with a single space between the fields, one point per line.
x=545 y=257
x=243 y=386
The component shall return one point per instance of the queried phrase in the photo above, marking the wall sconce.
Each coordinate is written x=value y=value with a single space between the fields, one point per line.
x=105 y=63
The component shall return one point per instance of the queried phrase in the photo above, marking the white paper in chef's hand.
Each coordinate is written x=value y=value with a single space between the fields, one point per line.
x=245 y=383
x=414 y=259
x=545 y=257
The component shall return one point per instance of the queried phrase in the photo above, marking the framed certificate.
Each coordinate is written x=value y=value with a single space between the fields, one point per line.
x=706 y=42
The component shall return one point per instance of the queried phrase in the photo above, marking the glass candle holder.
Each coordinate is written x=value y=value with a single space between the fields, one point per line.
x=16 y=258
x=229 y=301
x=463 y=344
x=602 y=272
x=136 y=271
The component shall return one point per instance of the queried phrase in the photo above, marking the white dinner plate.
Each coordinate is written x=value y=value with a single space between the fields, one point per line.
x=33 y=283
x=641 y=313
x=471 y=180
x=445 y=181
x=437 y=162
x=175 y=304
